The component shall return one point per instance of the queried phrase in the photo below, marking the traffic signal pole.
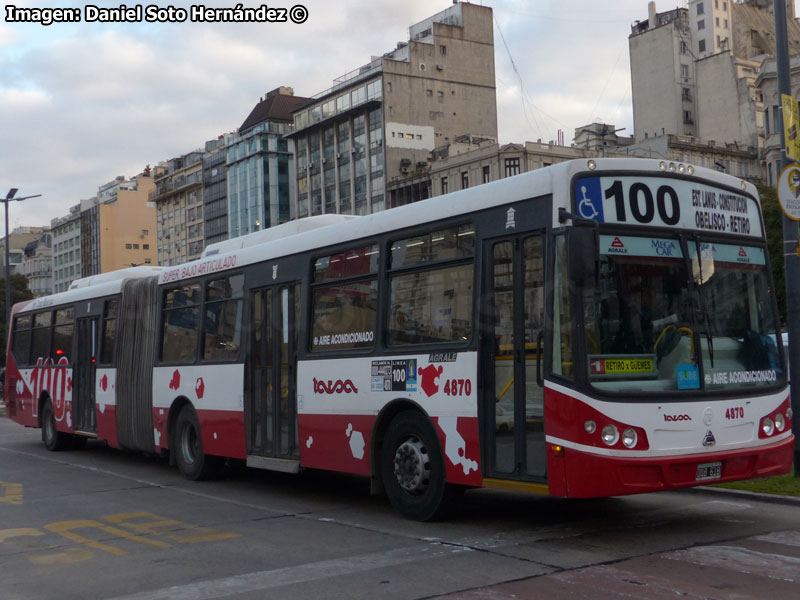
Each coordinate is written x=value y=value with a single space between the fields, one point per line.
x=791 y=259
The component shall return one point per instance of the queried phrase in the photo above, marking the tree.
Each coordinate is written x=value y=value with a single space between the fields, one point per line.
x=773 y=224
x=19 y=292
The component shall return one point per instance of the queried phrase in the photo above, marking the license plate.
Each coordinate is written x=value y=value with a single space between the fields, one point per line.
x=709 y=471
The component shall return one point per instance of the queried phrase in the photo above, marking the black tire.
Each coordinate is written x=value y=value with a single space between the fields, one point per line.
x=187 y=444
x=53 y=439
x=413 y=469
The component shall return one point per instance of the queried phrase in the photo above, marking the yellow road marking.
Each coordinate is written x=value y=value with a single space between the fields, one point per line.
x=11 y=492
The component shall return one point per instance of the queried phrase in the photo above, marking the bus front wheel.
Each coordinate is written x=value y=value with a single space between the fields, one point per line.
x=193 y=463
x=413 y=469
x=53 y=439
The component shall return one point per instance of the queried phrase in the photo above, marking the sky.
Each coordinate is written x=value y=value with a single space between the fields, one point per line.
x=81 y=103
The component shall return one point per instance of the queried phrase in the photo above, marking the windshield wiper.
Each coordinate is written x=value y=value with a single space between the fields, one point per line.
x=704 y=304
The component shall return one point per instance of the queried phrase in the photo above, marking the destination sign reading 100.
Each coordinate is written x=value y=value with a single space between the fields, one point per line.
x=661 y=201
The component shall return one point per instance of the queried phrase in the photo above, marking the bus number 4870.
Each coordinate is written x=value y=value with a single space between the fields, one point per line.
x=458 y=387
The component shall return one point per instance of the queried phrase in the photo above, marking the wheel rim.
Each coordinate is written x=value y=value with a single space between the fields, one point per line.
x=412 y=466
x=190 y=443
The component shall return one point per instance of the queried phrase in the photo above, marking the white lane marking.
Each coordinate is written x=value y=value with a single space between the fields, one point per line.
x=742 y=560
x=264 y=580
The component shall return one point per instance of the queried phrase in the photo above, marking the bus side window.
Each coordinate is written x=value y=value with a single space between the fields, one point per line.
x=40 y=344
x=431 y=293
x=222 y=322
x=62 y=334
x=344 y=308
x=180 y=324
x=21 y=342
x=109 y=332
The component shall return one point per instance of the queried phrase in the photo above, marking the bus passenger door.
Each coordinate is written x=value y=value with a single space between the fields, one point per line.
x=271 y=394
x=513 y=399
x=83 y=376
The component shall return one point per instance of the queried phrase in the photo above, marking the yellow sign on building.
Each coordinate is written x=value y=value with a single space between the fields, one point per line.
x=791 y=126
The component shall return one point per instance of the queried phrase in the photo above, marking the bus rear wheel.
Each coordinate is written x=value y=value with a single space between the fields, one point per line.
x=53 y=439
x=413 y=470
x=193 y=463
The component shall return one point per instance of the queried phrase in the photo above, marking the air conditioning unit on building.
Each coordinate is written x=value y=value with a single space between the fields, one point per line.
x=404 y=170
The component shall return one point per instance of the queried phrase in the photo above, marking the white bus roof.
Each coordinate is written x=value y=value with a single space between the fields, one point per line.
x=553 y=180
x=273 y=233
x=95 y=286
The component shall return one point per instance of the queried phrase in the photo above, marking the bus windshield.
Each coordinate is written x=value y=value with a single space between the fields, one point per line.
x=656 y=321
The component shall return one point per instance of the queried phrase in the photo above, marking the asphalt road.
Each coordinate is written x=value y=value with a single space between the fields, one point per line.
x=101 y=524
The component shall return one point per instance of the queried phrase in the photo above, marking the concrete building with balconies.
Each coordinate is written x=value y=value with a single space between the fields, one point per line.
x=117 y=226
x=178 y=200
x=66 y=232
x=366 y=143
x=37 y=264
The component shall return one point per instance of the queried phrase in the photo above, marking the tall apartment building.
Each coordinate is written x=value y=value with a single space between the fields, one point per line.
x=694 y=71
x=215 y=190
x=37 y=264
x=66 y=232
x=178 y=197
x=118 y=226
x=365 y=144
x=259 y=163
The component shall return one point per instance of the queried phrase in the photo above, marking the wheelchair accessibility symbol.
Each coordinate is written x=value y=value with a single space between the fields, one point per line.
x=589 y=200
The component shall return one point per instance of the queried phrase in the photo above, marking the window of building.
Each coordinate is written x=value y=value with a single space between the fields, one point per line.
x=389 y=87
x=464 y=180
x=136 y=246
x=145 y=246
x=511 y=167
x=701 y=45
x=486 y=174
x=686 y=94
x=443 y=50
x=699 y=8
x=687 y=117
x=684 y=47
x=128 y=246
x=429 y=92
x=145 y=232
x=701 y=24
x=685 y=72
x=444 y=185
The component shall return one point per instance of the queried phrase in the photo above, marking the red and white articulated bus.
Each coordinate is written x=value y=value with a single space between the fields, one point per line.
x=595 y=328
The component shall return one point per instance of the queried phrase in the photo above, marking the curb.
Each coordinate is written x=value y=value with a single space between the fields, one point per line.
x=742 y=494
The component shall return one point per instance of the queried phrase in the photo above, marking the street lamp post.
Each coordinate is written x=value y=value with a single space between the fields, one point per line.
x=9 y=197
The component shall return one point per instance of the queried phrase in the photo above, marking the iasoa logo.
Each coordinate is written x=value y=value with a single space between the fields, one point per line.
x=671 y=418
